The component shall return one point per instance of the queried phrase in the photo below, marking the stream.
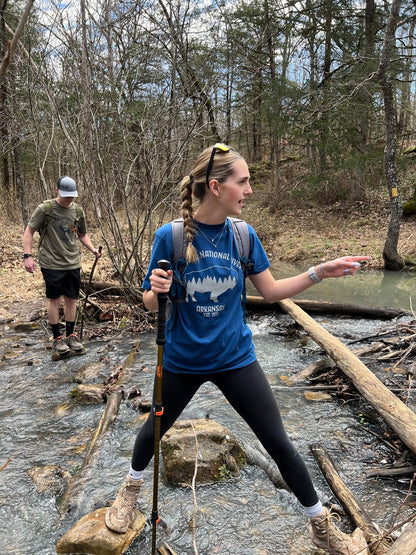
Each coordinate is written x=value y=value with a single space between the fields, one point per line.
x=40 y=424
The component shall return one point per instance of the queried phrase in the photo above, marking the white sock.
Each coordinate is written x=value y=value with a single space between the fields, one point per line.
x=313 y=511
x=136 y=474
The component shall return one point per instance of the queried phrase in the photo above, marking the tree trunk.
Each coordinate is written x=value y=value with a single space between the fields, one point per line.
x=20 y=185
x=391 y=257
x=396 y=414
x=13 y=43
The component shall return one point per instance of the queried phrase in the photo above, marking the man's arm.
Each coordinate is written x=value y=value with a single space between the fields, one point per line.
x=30 y=265
x=86 y=241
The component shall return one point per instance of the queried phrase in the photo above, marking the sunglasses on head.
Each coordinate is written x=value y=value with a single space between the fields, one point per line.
x=218 y=146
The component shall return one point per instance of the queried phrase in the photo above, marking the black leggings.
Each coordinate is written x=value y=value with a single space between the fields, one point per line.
x=249 y=392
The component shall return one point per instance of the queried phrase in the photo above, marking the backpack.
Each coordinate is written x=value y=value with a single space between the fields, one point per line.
x=47 y=217
x=242 y=237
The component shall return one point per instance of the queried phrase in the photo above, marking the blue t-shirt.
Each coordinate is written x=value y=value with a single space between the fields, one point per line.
x=206 y=332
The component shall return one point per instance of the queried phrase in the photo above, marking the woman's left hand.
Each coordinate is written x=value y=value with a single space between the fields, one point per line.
x=343 y=266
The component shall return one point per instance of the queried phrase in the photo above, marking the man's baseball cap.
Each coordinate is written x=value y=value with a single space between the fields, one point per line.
x=67 y=187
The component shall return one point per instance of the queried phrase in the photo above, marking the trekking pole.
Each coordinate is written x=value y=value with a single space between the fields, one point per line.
x=157 y=403
x=87 y=292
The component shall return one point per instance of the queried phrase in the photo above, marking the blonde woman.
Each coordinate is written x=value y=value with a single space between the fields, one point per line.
x=207 y=338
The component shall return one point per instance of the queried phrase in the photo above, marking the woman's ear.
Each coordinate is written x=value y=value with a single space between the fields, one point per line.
x=214 y=187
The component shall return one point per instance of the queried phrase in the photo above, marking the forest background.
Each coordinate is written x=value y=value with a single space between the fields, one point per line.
x=318 y=96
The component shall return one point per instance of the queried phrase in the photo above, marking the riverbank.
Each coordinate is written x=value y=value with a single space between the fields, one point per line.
x=302 y=235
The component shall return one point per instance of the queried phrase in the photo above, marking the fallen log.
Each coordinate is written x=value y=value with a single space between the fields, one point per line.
x=71 y=499
x=108 y=288
x=353 y=507
x=322 y=307
x=391 y=472
x=325 y=364
x=255 y=458
x=395 y=413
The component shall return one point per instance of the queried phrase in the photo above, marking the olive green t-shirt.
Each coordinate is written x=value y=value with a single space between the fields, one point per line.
x=59 y=249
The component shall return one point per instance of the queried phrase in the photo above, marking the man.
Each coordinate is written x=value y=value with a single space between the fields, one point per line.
x=60 y=223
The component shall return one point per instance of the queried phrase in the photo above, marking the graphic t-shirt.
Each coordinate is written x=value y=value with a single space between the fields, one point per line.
x=59 y=249
x=206 y=331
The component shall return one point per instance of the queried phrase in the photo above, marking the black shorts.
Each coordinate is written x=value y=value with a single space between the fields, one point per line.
x=62 y=282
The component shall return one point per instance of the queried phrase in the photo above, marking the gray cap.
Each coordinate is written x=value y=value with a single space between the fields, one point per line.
x=67 y=187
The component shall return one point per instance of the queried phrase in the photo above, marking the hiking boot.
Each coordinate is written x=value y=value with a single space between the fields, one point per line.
x=73 y=343
x=328 y=537
x=118 y=516
x=59 y=346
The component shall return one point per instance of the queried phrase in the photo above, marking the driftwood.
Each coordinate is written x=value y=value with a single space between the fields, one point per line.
x=391 y=472
x=108 y=288
x=396 y=414
x=406 y=543
x=327 y=363
x=255 y=458
x=354 y=509
x=73 y=493
x=322 y=307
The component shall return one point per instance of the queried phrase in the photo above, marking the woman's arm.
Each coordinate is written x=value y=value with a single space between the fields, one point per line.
x=273 y=290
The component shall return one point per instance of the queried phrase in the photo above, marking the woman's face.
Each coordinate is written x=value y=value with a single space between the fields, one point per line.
x=235 y=189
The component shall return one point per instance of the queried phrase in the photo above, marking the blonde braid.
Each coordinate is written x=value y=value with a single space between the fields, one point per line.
x=187 y=214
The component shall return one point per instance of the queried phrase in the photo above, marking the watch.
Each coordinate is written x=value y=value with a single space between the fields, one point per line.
x=313 y=275
x=27 y=256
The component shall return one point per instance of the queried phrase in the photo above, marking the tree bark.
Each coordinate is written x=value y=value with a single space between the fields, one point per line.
x=395 y=413
x=392 y=260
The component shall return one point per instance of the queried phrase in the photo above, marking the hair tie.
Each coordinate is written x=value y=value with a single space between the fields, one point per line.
x=191 y=178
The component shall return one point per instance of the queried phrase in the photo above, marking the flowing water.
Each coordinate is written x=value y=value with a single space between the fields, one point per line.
x=40 y=424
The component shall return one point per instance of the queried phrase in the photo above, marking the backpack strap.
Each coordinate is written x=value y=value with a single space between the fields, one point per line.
x=47 y=217
x=79 y=215
x=178 y=239
x=242 y=237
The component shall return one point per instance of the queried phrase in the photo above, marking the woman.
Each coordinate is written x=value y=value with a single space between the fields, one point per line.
x=207 y=338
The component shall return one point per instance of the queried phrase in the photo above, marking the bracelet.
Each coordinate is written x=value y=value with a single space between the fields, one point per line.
x=27 y=256
x=312 y=274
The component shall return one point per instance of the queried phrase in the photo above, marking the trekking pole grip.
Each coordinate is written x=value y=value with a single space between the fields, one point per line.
x=162 y=299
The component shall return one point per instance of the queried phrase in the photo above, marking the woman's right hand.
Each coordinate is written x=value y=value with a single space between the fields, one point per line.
x=160 y=280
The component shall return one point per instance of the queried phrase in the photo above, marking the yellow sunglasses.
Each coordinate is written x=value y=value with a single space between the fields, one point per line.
x=218 y=146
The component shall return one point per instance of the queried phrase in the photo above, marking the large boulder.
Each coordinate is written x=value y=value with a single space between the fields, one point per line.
x=219 y=454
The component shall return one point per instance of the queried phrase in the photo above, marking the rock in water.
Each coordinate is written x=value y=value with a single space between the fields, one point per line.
x=91 y=536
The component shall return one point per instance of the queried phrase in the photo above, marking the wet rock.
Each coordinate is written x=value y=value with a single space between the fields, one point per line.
x=26 y=327
x=88 y=393
x=220 y=456
x=49 y=478
x=56 y=356
x=91 y=536
x=91 y=371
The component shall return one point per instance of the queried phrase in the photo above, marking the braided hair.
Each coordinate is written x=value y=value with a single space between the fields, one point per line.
x=193 y=187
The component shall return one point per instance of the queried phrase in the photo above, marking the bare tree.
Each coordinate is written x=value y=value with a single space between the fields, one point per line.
x=391 y=257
